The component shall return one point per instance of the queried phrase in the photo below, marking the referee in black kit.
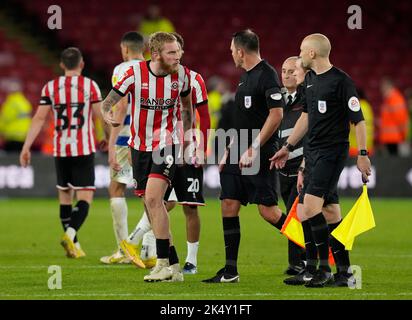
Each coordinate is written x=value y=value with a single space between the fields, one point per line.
x=330 y=103
x=258 y=106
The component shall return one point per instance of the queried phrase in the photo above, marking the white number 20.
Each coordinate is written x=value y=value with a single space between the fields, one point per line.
x=194 y=185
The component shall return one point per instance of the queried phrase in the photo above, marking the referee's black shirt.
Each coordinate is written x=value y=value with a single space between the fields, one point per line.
x=258 y=91
x=331 y=101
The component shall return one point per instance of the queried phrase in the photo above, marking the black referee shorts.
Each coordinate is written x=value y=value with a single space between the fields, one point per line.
x=323 y=169
x=253 y=189
x=75 y=172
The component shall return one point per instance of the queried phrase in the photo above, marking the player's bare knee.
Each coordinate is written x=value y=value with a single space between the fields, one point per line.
x=230 y=208
x=85 y=195
x=153 y=201
x=332 y=213
x=116 y=190
x=312 y=205
x=190 y=211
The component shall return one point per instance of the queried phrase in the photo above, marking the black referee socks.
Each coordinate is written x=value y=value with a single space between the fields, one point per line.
x=79 y=214
x=310 y=247
x=66 y=217
x=320 y=234
x=340 y=255
x=231 y=231
x=281 y=221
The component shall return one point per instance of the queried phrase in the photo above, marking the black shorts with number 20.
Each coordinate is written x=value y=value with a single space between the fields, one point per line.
x=153 y=164
x=188 y=185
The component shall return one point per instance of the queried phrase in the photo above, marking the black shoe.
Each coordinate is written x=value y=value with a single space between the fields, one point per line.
x=223 y=277
x=343 y=279
x=189 y=268
x=320 y=279
x=302 y=278
x=294 y=270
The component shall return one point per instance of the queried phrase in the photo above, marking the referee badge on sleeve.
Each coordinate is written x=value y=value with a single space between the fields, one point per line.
x=248 y=102
x=354 y=104
x=322 y=106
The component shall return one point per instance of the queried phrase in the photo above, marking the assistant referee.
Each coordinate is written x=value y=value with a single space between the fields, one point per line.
x=330 y=103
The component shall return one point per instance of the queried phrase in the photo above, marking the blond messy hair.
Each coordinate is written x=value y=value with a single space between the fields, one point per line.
x=158 y=39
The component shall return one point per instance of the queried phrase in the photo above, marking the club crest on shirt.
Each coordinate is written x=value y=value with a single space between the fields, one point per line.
x=175 y=85
x=322 y=106
x=248 y=102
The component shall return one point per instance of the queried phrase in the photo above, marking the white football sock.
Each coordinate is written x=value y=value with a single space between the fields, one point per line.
x=192 y=248
x=142 y=227
x=71 y=233
x=119 y=215
x=77 y=244
x=148 y=246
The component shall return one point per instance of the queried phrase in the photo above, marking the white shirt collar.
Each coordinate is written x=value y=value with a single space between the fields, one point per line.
x=293 y=94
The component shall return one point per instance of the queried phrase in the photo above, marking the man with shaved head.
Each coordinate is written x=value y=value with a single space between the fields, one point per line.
x=330 y=102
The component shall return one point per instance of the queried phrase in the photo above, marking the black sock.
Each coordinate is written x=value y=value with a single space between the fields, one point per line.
x=79 y=214
x=231 y=231
x=320 y=234
x=294 y=254
x=281 y=221
x=162 y=247
x=65 y=217
x=310 y=247
x=340 y=255
x=173 y=258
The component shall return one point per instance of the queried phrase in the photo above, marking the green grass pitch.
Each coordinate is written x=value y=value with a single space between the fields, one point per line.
x=30 y=232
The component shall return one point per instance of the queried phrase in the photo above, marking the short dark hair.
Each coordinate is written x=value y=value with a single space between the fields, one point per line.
x=246 y=39
x=71 y=58
x=179 y=38
x=134 y=41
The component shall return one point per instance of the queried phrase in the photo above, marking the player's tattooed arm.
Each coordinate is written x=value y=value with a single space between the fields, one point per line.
x=112 y=98
x=187 y=112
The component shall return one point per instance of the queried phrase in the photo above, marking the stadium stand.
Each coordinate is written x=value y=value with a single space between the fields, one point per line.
x=368 y=54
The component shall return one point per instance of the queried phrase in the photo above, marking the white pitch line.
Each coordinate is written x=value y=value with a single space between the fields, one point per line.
x=70 y=267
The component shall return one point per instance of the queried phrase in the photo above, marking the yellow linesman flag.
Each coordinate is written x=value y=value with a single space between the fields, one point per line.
x=359 y=219
x=292 y=228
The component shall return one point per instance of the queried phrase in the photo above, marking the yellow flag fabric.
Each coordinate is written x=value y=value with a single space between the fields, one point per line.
x=359 y=219
x=292 y=228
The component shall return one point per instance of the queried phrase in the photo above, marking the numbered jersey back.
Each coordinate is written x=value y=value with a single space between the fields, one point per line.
x=71 y=99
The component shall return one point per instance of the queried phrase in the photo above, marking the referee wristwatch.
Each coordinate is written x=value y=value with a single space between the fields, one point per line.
x=289 y=146
x=363 y=152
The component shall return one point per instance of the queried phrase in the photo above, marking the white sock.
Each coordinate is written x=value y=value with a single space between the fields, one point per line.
x=148 y=246
x=77 y=244
x=119 y=215
x=142 y=227
x=71 y=233
x=192 y=252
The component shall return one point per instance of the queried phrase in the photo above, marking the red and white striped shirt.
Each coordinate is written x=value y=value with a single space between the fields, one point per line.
x=71 y=99
x=155 y=111
x=199 y=92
